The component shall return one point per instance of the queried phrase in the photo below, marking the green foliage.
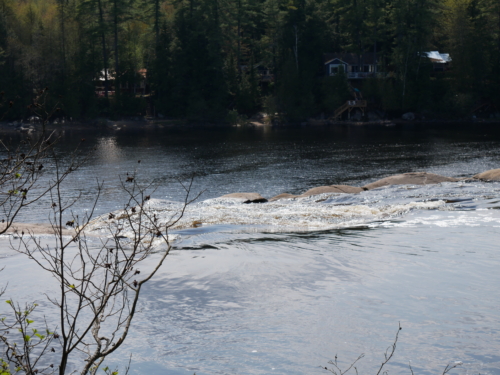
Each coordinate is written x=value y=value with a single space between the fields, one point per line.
x=247 y=95
x=202 y=57
x=4 y=368
x=108 y=371
x=20 y=327
x=335 y=91
x=270 y=107
x=232 y=117
x=294 y=94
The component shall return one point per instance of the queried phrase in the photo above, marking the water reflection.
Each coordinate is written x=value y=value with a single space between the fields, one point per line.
x=234 y=301
x=108 y=151
x=272 y=161
x=286 y=303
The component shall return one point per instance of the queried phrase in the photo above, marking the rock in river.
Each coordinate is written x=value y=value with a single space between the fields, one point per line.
x=346 y=189
x=282 y=196
x=415 y=178
x=491 y=175
x=246 y=197
x=341 y=189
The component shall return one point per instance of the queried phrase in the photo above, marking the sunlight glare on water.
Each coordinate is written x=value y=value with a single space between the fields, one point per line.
x=283 y=287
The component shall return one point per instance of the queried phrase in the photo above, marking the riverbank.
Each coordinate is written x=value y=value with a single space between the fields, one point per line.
x=327 y=122
x=99 y=124
x=158 y=124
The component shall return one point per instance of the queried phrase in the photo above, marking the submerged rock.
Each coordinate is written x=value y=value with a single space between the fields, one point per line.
x=246 y=197
x=414 y=178
x=491 y=175
x=339 y=189
x=346 y=189
x=282 y=196
x=36 y=229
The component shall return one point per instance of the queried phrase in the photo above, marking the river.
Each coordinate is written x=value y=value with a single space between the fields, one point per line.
x=281 y=288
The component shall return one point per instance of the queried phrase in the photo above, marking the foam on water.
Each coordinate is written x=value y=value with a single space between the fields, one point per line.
x=377 y=207
x=445 y=220
x=299 y=214
x=305 y=214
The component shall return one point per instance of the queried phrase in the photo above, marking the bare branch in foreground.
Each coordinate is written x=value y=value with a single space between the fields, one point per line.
x=338 y=371
x=389 y=352
x=451 y=366
x=99 y=284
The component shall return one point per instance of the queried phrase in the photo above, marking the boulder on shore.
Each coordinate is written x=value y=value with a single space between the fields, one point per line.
x=34 y=229
x=345 y=189
x=246 y=197
x=408 y=116
x=414 y=178
x=491 y=175
x=282 y=196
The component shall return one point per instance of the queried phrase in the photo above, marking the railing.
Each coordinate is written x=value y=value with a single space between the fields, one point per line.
x=341 y=110
x=363 y=75
x=360 y=75
x=347 y=106
x=102 y=93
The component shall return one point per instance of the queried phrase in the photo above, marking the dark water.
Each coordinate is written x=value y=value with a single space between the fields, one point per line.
x=273 y=161
x=245 y=294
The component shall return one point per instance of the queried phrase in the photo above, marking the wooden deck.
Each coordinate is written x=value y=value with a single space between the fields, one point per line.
x=348 y=106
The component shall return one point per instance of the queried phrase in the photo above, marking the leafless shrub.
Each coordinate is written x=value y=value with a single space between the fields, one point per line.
x=389 y=353
x=99 y=278
x=99 y=285
x=23 y=165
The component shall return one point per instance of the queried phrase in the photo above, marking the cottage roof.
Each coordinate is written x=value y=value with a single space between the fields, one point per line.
x=367 y=58
x=336 y=61
x=102 y=75
x=436 y=57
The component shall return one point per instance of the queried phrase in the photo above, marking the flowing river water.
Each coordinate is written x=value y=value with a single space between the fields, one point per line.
x=283 y=287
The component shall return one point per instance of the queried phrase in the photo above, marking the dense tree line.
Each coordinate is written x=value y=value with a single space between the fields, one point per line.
x=202 y=56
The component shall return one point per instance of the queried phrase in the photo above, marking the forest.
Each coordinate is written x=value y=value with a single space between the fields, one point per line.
x=202 y=60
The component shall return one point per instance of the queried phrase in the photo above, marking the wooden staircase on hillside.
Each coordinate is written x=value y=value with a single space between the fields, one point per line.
x=348 y=106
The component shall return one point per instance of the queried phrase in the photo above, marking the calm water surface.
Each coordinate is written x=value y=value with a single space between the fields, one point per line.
x=286 y=295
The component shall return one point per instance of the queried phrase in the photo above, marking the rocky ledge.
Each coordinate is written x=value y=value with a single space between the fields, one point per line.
x=413 y=178
x=491 y=175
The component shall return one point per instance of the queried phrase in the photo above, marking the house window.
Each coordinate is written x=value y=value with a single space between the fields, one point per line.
x=334 y=69
x=354 y=68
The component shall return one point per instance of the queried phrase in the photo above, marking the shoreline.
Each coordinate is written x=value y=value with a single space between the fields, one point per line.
x=158 y=124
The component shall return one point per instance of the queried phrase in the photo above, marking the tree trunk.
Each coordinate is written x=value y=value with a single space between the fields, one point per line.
x=498 y=33
x=238 y=57
x=157 y=23
x=375 y=61
x=104 y=52
x=296 y=49
x=63 y=41
x=115 y=19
